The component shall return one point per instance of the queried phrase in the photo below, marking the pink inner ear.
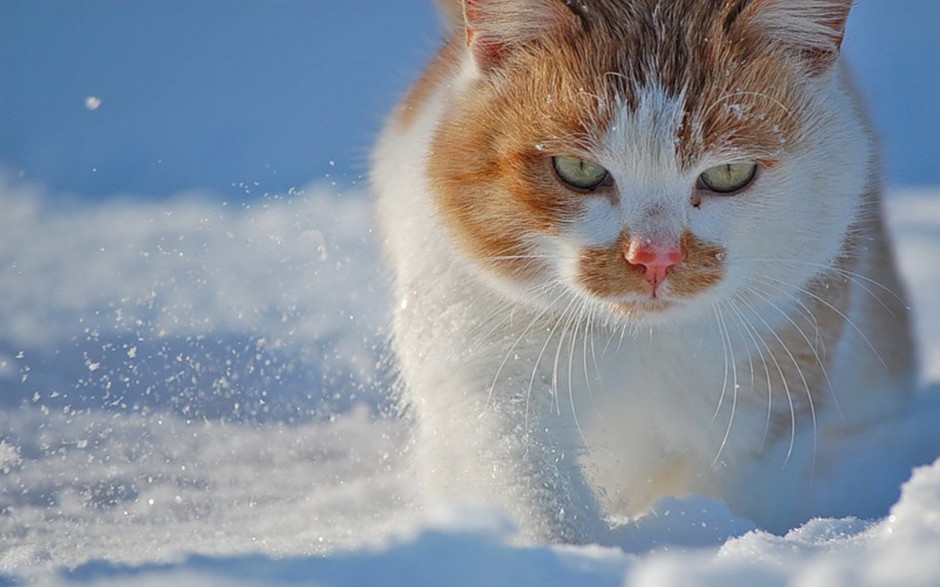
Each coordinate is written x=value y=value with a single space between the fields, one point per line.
x=495 y=27
x=486 y=49
x=488 y=53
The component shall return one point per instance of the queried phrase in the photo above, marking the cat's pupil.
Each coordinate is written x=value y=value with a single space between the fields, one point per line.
x=579 y=173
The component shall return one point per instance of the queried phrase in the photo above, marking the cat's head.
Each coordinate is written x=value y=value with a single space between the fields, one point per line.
x=651 y=158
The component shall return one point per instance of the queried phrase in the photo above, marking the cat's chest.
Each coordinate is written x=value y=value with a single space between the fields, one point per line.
x=663 y=412
x=639 y=381
x=658 y=375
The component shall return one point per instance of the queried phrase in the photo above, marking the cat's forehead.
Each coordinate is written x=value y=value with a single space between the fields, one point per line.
x=669 y=71
x=669 y=43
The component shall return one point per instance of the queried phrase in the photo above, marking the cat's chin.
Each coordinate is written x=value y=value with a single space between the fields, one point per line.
x=652 y=311
x=643 y=307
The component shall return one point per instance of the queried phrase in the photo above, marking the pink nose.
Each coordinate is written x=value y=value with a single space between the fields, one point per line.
x=656 y=260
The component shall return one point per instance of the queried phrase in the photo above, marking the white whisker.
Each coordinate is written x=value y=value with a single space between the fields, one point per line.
x=839 y=313
x=727 y=370
x=512 y=348
x=858 y=279
x=568 y=318
x=799 y=372
x=746 y=334
x=809 y=344
x=578 y=321
x=726 y=340
x=538 y=361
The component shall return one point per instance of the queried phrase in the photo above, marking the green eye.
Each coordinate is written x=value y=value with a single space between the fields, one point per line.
x=728 y=178
x=580 y=174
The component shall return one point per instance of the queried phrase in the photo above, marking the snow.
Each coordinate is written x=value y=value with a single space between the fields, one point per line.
x=194 y=392
x=193 y=387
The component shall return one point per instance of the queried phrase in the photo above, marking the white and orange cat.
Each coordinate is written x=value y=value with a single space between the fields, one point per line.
x=639 y=252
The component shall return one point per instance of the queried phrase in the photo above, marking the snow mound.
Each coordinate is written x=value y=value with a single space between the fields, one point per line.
x=901 y=550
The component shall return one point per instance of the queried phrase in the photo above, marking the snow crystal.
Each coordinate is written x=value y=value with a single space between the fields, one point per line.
x=92 y=103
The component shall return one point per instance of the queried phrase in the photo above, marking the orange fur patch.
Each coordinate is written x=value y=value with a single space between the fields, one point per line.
x=605 y=272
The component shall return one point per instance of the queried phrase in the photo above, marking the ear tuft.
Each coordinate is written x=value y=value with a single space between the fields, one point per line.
x=496 y=28
x=814 y=28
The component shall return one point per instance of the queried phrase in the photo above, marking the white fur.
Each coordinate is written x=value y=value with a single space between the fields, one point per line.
x=541 y=402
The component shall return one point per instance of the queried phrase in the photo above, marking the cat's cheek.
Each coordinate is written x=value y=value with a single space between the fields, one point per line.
x=598 y=221
x=783 y=232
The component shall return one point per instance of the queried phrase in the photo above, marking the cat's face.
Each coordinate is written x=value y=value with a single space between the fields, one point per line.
x=651 y=161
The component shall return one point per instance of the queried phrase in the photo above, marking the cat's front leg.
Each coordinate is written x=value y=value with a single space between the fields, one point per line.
x=474 y=446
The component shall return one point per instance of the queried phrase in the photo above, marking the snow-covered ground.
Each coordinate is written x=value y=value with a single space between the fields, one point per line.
x=192 y=384
x=194 y=392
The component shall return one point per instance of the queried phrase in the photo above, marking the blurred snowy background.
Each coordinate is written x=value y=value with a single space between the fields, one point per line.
x=244 y=98
x=192 y=309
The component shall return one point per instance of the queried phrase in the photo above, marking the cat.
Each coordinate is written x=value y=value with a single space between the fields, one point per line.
x=638 y=252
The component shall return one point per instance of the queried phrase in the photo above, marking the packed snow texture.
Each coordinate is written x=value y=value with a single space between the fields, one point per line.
x=195 y=392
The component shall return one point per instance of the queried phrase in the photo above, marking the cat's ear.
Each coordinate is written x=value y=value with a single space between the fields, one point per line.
x=814 y=28
x=496 y=28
